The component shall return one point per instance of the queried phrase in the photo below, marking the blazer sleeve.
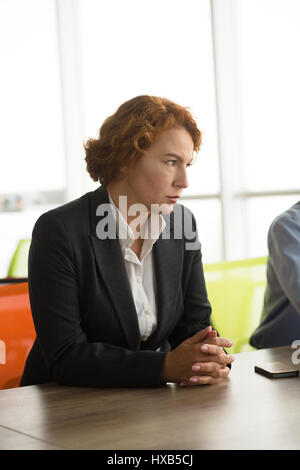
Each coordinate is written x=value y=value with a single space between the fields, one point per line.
x=54 y=299
x=197 y=308
x=284 y=256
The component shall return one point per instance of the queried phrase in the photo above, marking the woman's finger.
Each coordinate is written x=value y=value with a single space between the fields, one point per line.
x=205 y=368
x=204 y=380
x=211 y=368
x=217 y=341
x=210 y=349
x=224 y=342
x=224 y=372
x=212 y=334
x=213 y=338
x=200 y=335
x=218 y=354
x=222 y=359
x=210 y=378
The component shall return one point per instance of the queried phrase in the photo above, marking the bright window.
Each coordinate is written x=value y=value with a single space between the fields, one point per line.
x=269 y=71
x=162 y=48
x=32 y=155
x=268 y=54
x=32 y=150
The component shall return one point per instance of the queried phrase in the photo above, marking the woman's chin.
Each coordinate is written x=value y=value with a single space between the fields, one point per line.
x=167 y=208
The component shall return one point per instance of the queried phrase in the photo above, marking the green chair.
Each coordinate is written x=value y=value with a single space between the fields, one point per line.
x=236 y=292
x=18 y=265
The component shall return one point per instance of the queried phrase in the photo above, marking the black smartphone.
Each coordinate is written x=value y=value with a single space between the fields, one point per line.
x=276 y=370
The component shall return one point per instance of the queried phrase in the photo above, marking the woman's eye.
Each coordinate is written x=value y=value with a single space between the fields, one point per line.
x=171 y=162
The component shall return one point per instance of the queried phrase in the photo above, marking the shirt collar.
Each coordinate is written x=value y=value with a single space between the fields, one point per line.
x=126 y=234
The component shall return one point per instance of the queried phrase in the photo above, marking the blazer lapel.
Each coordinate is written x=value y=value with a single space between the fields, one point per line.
x=168 y=267
x=168 y=258
x=111 y=265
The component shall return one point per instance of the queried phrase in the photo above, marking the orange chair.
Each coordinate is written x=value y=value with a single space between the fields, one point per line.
x=17 y=332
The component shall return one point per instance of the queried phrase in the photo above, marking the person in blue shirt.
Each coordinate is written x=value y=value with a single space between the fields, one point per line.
x=280 y=322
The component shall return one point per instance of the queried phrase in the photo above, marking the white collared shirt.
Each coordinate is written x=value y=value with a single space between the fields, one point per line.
x=141 y=272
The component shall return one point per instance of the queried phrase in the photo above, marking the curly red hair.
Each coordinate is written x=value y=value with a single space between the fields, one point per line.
x=124 y=136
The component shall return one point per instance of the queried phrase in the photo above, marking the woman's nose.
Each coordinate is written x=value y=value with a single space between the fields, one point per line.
x=182 y=179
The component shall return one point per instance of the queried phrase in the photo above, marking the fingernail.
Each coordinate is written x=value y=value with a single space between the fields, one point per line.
x=204 y=347
x=183 y=383
x=196 y=368
x=193 y=380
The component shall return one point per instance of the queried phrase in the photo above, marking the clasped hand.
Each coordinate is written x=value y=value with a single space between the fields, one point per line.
x=198 y=360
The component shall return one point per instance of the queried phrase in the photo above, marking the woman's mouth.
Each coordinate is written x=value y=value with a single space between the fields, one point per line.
x=172 y=199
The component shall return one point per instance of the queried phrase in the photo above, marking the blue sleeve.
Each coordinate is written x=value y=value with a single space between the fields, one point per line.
x=284 y=256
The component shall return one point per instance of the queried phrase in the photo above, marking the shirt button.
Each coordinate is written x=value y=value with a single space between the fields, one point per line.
x=139 y=280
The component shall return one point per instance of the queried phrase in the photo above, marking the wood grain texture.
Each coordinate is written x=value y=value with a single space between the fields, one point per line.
x=244 y=411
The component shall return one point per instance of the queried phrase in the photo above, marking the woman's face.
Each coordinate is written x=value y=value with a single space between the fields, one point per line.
x=160 y=175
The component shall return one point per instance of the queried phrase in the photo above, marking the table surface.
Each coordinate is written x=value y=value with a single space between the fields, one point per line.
x=244 y=411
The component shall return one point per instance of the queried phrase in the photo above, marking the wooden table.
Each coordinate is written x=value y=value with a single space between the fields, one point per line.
x=244 y=411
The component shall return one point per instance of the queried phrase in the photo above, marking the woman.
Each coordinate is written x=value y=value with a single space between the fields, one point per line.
x=120 y=300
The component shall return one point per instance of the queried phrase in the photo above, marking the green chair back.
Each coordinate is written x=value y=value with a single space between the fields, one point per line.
x=236 y=292
x=18 y=265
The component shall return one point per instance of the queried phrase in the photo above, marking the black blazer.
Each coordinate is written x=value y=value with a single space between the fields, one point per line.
x=83 y=309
